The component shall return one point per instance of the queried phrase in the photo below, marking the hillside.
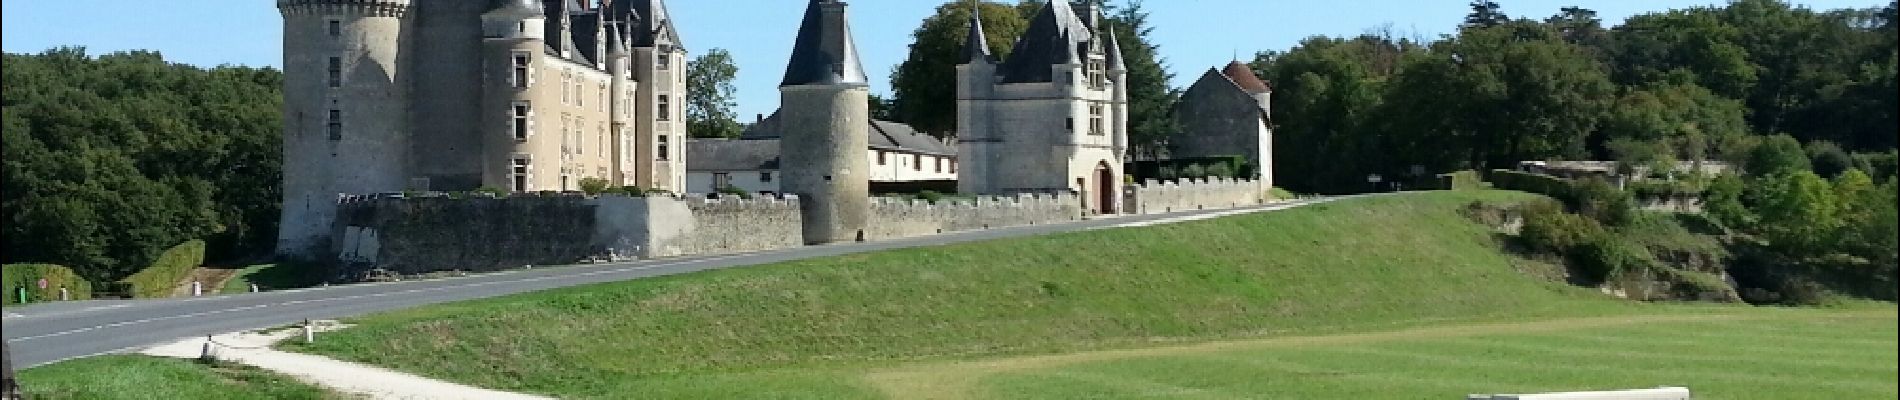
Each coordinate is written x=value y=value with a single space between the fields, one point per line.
x=1365 y=264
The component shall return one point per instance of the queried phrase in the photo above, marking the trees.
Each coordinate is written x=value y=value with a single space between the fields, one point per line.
x=1150 y=99
x=709 y=97
x=924 y=86
x=1485 y=14
x=111 y=160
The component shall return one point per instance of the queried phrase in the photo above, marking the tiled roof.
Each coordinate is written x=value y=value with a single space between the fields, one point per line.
x=1243 y=76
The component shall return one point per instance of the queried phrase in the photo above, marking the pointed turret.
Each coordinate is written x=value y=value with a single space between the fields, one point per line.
x=616 y=41
x=1055 y=36
x=823 y=53
x=1114 y=56
x=976 y=47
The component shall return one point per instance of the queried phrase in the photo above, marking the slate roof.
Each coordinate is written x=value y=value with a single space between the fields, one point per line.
x=823 y=53
x=518 y=8
x=976 y=47
x=1055 y=36
x=731 y=155
x=648 y=21
x=884 y=135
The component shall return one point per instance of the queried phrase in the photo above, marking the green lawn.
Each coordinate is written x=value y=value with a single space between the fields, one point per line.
x=271 y=277
x=140 y=377
x=1768 y=354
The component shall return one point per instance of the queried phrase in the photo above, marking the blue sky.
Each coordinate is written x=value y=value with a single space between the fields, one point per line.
x=1193 y=34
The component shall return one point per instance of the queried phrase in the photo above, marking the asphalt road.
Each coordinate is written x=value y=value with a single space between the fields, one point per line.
x=47 y=333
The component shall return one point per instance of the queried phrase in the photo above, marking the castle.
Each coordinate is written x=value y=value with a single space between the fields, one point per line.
x=450 y=95
x=1052 y=117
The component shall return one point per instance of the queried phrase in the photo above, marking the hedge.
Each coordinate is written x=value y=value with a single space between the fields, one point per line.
x=29 y=275
x=1460 y=180
x=1528 y=182
x=171 y=268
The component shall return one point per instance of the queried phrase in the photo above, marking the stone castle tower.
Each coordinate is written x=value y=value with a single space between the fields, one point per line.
x=521 y=95
x=1052 y=117
x=824 y=117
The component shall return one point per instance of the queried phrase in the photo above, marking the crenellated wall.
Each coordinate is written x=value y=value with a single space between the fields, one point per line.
x=896 y=218
x=1152 y=197
x=697 y=225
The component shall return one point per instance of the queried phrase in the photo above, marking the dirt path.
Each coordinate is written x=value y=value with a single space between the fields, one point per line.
x=213 y=279
x=958 y=380
x=253 y=348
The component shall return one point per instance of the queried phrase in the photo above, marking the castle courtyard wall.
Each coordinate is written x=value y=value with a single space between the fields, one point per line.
x=1153 y=197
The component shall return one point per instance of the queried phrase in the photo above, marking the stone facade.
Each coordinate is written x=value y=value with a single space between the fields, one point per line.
x=893 y=218
x=1053 y=117
x=525 y=95
x=824 y=116
x=1154 y=197
x=1227 y=112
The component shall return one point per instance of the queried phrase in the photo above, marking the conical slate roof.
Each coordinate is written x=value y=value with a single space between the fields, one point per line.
x=1114 y=57
x=976 y=47
x=1054 y=36
x=1243 y=76
x=823 y=53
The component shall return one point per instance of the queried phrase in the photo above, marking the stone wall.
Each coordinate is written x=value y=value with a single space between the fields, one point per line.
x=421 y=235
x=724 y=225
x=897 y=218
x=1154 y=197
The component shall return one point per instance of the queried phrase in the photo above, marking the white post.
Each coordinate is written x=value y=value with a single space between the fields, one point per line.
x=309 y=332
x=253 y=288
x=204 y=353
x=197 y=289
x=64 y=294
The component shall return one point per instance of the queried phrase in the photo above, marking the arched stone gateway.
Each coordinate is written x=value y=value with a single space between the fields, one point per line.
x=1104 y=189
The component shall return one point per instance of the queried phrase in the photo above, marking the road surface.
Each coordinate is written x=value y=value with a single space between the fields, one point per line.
x=47 y=333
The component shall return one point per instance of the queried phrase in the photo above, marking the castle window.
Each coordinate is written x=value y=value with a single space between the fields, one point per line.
x=1069 y=124
x=666 y=108
x=520 y=123
x=335 y=28
x=580 y=140
x=336 y=72
x=938 y=163
x=663 y=154
x=603 y=97
x=953 y=166
x=580 y=98
x=567 y=78
x=721 y=180
x=1095 y=119
x=917 y=162
x=880 y=158
x=765 y=176
x=522 y=62
x=663 y=59
x=518 y=173
x=335 y=124
x=600 y=139
x=1097 y=79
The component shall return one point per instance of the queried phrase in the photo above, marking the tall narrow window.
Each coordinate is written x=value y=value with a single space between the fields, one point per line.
x=522 y=62
x=603 y=97
x=580 y=98
x=567 y=138
x=336 y=72
x=335 y=124
x=880 y=158
x=519 y=173
x=665 y=108
x=600 y=139
x=567 y=79
x=917 y=162
x=1069 y=124
x=663 y=60
x=664 y=153
x=520 y=121
x=1095 y=119
x=336 y=28
x=580 y=139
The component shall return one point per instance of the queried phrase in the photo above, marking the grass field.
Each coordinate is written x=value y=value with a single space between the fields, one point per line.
x=271 y=277
x=140 y=377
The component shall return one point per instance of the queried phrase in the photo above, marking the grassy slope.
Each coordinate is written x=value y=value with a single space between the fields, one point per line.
x=1366 y=264
x=139 y=377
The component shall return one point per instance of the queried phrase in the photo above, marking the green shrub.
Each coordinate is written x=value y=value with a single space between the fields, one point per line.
x=1549 y=230
x=1461 y=180
x=1194 y=171
x=164 y=274
x=491 y=190
x=1168 y=173
x=1277 y=192
x=930 y=195
x=593 y=186
x=1597 y=199
x=1220 y=171
x=1600 y=257
x=28 y=276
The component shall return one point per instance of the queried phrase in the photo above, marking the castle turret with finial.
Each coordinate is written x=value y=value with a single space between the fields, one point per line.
x=824 y=113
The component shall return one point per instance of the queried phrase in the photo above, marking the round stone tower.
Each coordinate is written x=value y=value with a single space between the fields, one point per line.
x=345 y=111
x=825 y=124
x=513 y=45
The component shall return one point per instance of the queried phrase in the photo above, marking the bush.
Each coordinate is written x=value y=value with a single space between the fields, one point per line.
x=1549 y=230
x=1461 y=180
x=1220 y=171
x=930 y=195
x=28 y=276
x=593 y=186
x=1595 y=198
x=1603 y=256
x=172 y=267
x=1193 y=171
x=491 y=191
x=1168 y=173
x=630 y=191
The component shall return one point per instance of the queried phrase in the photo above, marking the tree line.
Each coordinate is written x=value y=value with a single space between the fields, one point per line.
x=110 y=160
x=1705 y=83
